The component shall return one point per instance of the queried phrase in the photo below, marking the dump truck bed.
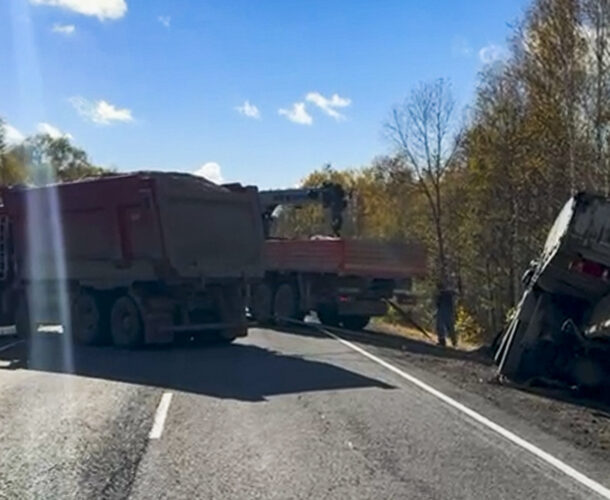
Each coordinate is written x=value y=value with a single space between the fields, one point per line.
x=577 y=251
x=561 y=327
x=346 y=257
x=136 y=227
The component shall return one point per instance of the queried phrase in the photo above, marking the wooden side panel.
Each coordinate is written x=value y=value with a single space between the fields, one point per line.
x=323 y=256
x=384 y=260
x=347 y=257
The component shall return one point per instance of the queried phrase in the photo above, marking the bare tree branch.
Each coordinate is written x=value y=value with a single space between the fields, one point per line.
x=422 y=129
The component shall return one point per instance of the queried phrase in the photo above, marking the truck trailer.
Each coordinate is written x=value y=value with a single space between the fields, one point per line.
x=346 y=281
x=560 y=330
x=130 y=259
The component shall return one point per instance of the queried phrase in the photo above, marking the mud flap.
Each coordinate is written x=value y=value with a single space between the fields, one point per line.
x=157 y=328
x=157 y=319
x=232 y=308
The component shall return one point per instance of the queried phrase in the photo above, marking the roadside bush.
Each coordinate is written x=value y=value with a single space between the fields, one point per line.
x=467 y=328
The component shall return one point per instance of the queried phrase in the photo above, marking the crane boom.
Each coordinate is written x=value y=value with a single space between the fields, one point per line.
x=330 y=195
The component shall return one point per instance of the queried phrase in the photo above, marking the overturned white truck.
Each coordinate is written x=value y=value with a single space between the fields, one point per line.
x=561 y=328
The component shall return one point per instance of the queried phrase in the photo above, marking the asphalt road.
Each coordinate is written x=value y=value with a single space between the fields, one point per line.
x=276 y=415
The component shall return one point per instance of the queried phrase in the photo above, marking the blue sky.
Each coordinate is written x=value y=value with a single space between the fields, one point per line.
x=179 y=84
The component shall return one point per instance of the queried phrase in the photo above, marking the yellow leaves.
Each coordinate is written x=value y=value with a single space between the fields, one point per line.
x=466 y=327
x=379 y=206
x=57 y=158
x=12 y=170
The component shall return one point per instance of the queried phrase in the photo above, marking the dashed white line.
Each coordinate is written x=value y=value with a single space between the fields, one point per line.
x=12 y=344
x=505 y=433
x=160 y=415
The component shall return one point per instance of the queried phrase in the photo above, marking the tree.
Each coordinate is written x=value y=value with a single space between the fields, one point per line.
x=499 y=204
x=596 y=28
x=2 y=143
x=387 y=191
x=423 y=131
x=49 y=159
x=67 y=161
x=2 y=138
x=549 y=57
x=12 y=171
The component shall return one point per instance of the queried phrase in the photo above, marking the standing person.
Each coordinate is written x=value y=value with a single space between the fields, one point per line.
x=445 y=315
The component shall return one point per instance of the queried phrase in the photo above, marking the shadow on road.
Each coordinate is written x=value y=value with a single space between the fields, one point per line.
x=599 y=402
x=239 y=371
x=381 y=339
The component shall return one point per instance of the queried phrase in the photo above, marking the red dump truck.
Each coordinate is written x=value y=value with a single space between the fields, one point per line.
x=345 y=281
x=133 y=259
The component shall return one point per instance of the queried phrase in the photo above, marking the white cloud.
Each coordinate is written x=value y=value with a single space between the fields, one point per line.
x=461 y=47
x=165 y=21
x=492 y=53
x=249 y=110
x=211 y=171
x=12 y=135
x=100 y=112
x=63 y=29
x=50 y=130
x=102 y=9
x=329 y=106
x=297 y=114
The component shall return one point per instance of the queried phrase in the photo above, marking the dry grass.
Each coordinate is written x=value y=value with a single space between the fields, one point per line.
x=413 y=333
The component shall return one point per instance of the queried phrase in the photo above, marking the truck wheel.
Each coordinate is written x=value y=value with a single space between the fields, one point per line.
x=89 y=319
x=285 y=303
x=355 y=322
x=126 y=325
x=23 y=321
x=261 y=303
x=328 y=316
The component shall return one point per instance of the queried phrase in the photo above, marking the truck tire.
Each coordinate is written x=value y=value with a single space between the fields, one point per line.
x=285 y=303
x=90 y=319
x=23 y=321
x=355 y=322
x=328 y=316
x=261 y=301
x=126 y=326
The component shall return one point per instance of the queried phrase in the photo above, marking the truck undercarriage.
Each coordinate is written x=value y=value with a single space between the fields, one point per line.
x=560 y=331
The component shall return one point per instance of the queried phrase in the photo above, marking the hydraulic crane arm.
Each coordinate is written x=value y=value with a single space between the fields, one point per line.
x=330 y=195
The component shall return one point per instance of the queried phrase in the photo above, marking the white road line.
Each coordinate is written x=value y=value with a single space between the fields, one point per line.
x=505 y=433
x=160 y=416
x=8 y=346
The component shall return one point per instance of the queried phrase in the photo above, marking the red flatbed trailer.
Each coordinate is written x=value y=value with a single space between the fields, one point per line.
x=346 y=257
x=345 y=281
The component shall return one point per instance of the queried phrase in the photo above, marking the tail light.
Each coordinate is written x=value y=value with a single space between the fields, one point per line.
x=590 y=268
